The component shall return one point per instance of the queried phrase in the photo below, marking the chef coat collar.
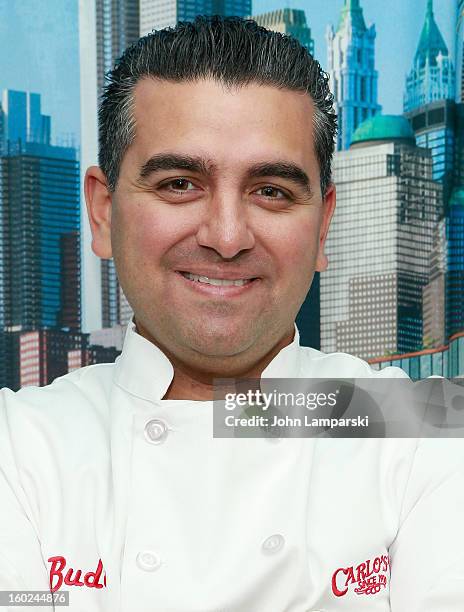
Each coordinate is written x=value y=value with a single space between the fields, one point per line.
x=145 y=371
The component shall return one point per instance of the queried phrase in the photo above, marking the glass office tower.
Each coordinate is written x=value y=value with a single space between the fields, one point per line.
x=39 y=238
x=379 y=242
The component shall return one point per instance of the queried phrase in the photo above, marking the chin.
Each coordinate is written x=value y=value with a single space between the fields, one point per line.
x=220 y=343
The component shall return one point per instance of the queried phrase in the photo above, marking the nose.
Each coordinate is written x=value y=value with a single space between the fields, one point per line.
x=224 y=225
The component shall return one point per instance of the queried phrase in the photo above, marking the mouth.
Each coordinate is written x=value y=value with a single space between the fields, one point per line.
x=218 y=286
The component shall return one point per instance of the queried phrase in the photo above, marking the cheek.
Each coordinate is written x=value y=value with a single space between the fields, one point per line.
x=145 y=235
x=295 y=245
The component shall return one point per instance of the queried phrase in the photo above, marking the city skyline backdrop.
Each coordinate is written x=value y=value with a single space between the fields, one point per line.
x=45 y=63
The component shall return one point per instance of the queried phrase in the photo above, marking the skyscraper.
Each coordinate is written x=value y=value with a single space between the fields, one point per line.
x=23 y=119
x=288 y=21
x=438 y=123
x=429 y=104
x=157 y=15
x=379 y=243
x=432 y=76
x=40 y=212
x=351 y=67
x=460 y=52
x=117 y=26
x=40 y=271
x=39 y=231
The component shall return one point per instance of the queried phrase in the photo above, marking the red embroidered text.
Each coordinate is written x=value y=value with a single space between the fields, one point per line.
x=72 y=577
x=369 y=577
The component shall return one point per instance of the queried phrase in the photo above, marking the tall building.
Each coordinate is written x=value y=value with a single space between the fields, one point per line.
x=460 y=52
x=157 y=15
x=40 y=271
x=22 y=118
x=351 y=67
x=288 y=21
x=438 y=123
x=379 y=242
x=39 y=238
x=117 y=27
x=432 y=76
x=39 y=222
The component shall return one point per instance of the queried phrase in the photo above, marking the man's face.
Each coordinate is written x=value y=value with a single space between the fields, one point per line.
x=225 y=216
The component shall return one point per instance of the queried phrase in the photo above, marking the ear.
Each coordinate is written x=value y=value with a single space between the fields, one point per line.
x=328 y=210
x=98 y=202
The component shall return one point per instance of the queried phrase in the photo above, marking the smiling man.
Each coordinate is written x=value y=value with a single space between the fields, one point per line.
x=213 y=195
x=216 y=223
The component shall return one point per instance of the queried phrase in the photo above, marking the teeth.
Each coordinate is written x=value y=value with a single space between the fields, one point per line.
x=216 y=281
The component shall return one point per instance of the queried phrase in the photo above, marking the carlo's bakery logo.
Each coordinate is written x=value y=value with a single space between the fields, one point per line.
x=60 y=575
x=367 y=578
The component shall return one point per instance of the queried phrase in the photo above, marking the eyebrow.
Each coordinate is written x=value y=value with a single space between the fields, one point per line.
x=174 y=161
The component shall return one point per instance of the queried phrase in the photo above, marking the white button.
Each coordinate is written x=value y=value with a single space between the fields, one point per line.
x=273 y=544
x=148 y=560
x=156 y=431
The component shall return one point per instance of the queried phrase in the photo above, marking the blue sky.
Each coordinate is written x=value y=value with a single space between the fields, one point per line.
x=39 y=52
x=39 y=46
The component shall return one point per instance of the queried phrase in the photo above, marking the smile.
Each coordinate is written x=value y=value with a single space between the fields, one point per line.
x=218 y=286
x=217 y=281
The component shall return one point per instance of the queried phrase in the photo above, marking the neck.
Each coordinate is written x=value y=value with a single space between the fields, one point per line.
x=193 y=383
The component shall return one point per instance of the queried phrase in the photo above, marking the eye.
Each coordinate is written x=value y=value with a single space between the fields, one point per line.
x=180 y=183
x=270 y=190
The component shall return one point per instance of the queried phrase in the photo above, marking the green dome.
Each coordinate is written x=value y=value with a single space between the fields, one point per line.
x=384 y=128
x=457 y=197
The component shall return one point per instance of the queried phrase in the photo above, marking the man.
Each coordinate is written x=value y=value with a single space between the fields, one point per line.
x=216 y=140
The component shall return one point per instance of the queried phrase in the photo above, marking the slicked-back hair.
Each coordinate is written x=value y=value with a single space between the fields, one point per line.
x=232 y=50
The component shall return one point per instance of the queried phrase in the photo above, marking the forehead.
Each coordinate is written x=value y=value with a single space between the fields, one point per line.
x=226 y=124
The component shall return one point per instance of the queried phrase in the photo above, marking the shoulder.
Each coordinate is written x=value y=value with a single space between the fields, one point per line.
x=84 y=386
x=49 y=434
x=72 y=405
x=318 y=364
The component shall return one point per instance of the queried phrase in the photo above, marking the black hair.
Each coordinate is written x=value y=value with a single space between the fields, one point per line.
x=233 y=50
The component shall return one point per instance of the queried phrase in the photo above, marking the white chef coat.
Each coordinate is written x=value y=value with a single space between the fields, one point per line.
x=132 y=499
